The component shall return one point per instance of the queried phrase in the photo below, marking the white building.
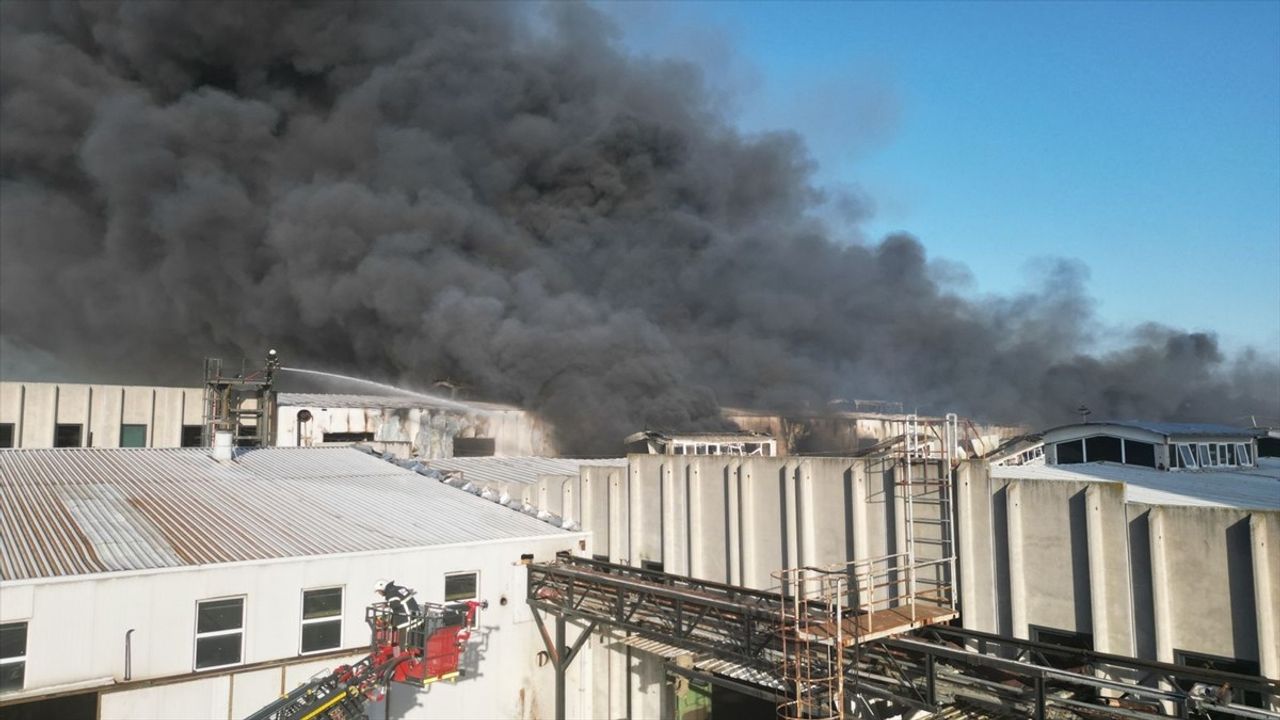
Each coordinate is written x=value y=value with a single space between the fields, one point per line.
x=47 y=415
x=1180 y=567
x=165 y=584
x=410 y=426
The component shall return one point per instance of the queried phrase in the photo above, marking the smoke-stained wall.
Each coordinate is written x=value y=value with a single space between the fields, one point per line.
x=498 y=195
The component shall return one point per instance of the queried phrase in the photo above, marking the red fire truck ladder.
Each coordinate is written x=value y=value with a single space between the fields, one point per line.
x=425 y=651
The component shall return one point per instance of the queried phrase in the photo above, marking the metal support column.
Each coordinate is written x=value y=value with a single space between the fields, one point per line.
x=560 y=653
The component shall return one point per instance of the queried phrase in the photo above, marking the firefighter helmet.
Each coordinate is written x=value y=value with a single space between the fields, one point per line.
x=380 y=586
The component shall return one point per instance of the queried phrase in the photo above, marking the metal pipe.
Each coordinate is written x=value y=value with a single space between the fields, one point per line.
x=128 y=654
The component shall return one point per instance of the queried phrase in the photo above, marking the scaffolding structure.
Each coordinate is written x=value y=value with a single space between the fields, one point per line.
x=825 y=610
x=243 y=404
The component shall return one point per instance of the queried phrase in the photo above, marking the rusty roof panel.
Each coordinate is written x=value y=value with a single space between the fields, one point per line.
x=74 y=511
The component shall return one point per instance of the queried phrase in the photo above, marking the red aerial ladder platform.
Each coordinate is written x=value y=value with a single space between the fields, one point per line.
x=425 y=650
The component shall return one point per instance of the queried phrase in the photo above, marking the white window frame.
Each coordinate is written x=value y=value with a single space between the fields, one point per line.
x=15 y=659
x=1202 y=454
x=475 y=620
x=1190 y=453
x=302 y=608
x=1244 y=454
x=458 y=573
x=195 y=645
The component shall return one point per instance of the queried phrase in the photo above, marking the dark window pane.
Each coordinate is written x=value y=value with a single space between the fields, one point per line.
x=460 y=587
x=474 y=447
x=1098 y=449
x=321 y=603
x=1204 y=455
x=133 y=436
x=13 y=640
x=1070 y=452
x=1228 y=452
x=321 y=636
x=220 y=615
x=192 y=435
x=1139 y=453
x=6 y=435
x=347 y=437
x=12 y=676
x=1063 y=639
x=66 y=435
x=220 y=650
x=1187 y=456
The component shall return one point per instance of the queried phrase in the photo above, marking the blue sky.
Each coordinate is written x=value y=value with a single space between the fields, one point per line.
x=1140 y=138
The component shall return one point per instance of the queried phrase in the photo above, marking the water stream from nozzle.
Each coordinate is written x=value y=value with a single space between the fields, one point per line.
x=434 y=399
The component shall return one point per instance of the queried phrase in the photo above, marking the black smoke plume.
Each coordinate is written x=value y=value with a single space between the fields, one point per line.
x=497 y=195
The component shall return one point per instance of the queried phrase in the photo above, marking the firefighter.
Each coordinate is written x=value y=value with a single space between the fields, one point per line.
x=400 y=600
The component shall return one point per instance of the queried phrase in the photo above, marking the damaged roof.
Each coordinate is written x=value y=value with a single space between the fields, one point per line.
x=487 y=471
x=73 y=511
x=390 y=402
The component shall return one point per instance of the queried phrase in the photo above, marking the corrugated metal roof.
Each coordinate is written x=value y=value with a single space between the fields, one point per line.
x=392 y=402
x=1170 y=428
x=1257 y=488
x=75 y=511
x=523 y=470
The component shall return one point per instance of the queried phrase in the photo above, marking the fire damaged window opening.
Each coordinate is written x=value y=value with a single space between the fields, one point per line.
x=67 y=435
x=6 y=435
x=347 y=437
x=192 y=435
x=474 y=447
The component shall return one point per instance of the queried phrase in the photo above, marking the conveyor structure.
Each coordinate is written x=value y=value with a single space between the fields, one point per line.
x=734 y=633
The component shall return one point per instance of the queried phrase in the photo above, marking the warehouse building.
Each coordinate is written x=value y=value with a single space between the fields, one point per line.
x=47 y=415
x=162 y=583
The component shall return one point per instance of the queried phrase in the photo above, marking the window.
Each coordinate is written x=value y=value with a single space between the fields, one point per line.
x=474 y=447
x=1204 y=455
x=219 y=633
x=1243 y=456
x=1070 y=452
x=13 y=656
x=321 y=619
x=1139 y=453
x=346 y=437
x=67 y=435
x=1186 y=457
x=6 y=435
x=1066 y=640
x=192 y=435
x=1102 y=447
x=1221 y=664
x=652 y=565
x=461 y=586
x=133 y=436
